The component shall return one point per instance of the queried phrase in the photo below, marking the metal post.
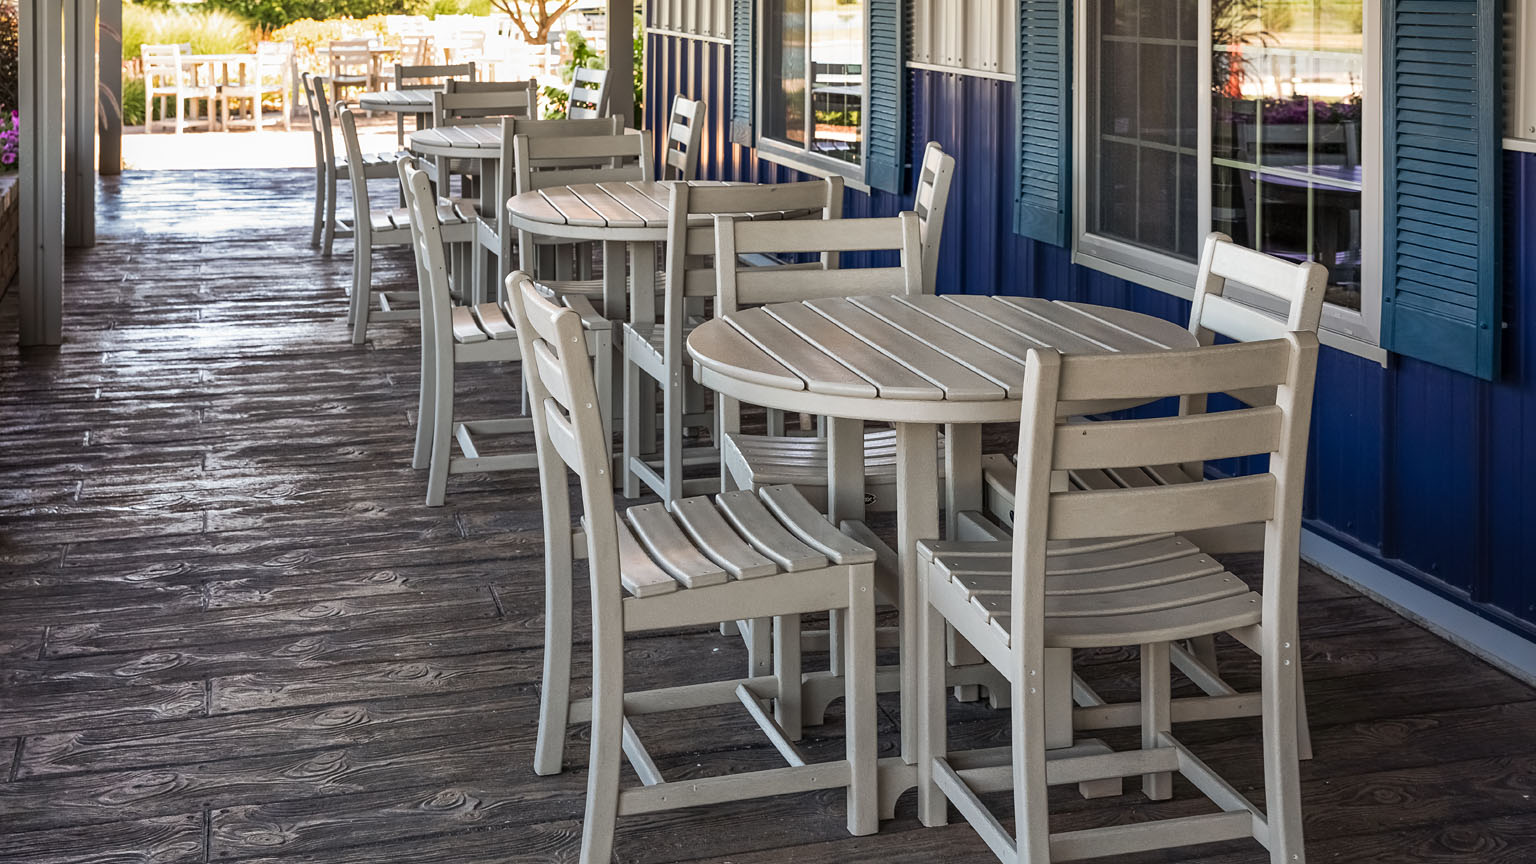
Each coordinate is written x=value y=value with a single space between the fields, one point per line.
x=110 y=154
x=80 y=123
x=621 y=62
x=41 y=80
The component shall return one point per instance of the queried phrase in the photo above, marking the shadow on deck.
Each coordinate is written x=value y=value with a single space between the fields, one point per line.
x=231 y=631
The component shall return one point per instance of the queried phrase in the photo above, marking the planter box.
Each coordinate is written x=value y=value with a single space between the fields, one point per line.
x=10 y=229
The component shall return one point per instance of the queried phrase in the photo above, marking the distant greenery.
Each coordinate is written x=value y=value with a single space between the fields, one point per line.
x=210 y=31
x=10 y=34
x=272 y=14
x=583 y=56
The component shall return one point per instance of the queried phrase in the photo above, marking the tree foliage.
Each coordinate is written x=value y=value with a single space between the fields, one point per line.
x=272 y=14
x=535 y=18
x=10 y=46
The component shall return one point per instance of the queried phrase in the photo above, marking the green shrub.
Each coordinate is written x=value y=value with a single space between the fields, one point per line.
x=435 y=8
x=208 y=31
x=272 y=14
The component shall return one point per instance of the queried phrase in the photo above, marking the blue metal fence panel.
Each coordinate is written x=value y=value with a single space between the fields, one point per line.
x=1428 y=472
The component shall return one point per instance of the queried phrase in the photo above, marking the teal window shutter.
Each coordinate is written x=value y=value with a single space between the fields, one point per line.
x=885 y=152
x=741 y=72
x=1044 y=181
x=1440 y=279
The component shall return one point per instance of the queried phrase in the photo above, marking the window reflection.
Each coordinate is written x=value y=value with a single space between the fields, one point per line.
x=1286 y=95
x=820 y=42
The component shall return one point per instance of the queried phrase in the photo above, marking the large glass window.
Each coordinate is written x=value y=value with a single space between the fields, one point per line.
x=1261 y=139
x=813 y=93
x=1143 y=125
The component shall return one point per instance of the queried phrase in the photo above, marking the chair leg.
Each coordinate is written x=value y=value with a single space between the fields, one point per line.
x=603 y=762
x=932 y=721
x=425 y=404
x=1282 y=782
x=442 y=432
x=859 y=726
x=1204 y=649
x=672 y=433
x=631 y=436
x=759 y=638
x=786 y=668
x=555 y=693
x=362 y=283
x=314 y=234
x=1031 y=806
x=1156 y=714
x=330 y=208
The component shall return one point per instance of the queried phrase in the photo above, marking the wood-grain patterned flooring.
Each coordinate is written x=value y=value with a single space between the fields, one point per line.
x=231 y=631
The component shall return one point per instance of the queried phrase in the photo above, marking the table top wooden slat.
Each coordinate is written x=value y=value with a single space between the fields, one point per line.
x=892 y=379
x=967 y=320
x=573 y=210
x=954 y=343
x=821 y=373
x=1124 y=321
x=1085 y=326
x=638 y=202
x=1039 y=331
x=747 y=362
x=960 y=384
x=612 y=211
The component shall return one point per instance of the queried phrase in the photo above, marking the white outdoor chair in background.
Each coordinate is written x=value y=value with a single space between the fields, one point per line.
x=655 y=352
x=175 y=84
x=454 y=335
x=589 y=94
x=425 y=77
x=271 y=74
x=478 y=103
x=1107 y=568
x=760 y=460
x=382 y=227
x=352 y=65
x=682 y=563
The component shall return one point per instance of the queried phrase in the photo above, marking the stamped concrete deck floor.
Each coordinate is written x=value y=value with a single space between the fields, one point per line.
x=231 y=631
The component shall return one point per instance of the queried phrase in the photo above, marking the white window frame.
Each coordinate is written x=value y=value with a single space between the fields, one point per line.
x=800 y=158
x=1357 y=332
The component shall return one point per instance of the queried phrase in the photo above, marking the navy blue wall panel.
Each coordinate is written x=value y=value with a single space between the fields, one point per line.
x=1428 y=472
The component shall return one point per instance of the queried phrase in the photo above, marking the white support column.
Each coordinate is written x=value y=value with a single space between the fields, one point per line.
x=41 y=277
x=110 y=155
x=80 y=27
x=621 y=65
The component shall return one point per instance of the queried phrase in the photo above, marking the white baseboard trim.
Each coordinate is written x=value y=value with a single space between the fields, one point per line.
x=1506 y=650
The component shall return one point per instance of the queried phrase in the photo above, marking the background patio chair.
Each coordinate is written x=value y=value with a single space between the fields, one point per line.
x=269 y=74
x=330 y=168
x=589 y=94
x=352 y=65
x=174 y=81
x=680 y=147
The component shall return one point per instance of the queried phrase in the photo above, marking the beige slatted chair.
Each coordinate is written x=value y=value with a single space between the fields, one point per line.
x=331 y=167
x=685 y=128
x=1080 y=573
x=383 y=227
x=456 y=335
x=495 y=236
x=763 y=460
x=1296 y=288
x=352 y=65
x=656 y=350
x=683 y=563
x=743 y=285
x=478 y=103
x=420 y=76
x=589 y=94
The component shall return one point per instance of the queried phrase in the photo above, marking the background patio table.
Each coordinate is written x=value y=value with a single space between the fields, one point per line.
x=915 y=362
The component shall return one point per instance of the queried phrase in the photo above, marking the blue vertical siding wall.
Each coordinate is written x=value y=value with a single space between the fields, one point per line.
x=1430 y=473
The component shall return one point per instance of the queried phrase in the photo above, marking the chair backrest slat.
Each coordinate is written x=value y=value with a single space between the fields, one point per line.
x=477 y=102
x=1300 y=287
x=423 y=77
x=739 y=285
x=547 y=161
x=1082 y=515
